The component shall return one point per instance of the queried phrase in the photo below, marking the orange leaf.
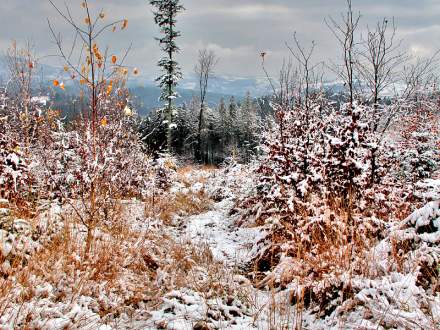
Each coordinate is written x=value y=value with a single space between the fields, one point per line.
x=87 y=20
x=104 y=122
x=31 y=65
x=114 y=59
x=66 y=68
x=56 y=83
x=124 y=24
x=62 y=86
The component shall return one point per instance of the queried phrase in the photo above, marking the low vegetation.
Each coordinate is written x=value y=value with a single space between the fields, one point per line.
x=322 y=212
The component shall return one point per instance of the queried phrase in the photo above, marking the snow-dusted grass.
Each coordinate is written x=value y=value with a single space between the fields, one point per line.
x=185 y=261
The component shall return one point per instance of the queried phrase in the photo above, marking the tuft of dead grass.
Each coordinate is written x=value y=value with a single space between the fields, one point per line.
x=167 y=206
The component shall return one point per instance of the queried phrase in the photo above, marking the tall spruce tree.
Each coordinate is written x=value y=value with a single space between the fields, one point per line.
x=165 y=17
x=232 y=123
x=248 y=127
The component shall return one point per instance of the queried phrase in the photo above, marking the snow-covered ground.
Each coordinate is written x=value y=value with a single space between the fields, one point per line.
x=192 y=273
x=229 y=244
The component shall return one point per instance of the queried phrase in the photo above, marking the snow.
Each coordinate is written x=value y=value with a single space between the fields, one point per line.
x=228 y=243
x=431 y=187
x=217 y=292
x=423 y=217
x=42 y=100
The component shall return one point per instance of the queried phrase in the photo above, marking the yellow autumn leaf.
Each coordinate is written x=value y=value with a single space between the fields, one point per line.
x=104 y=122
x=66 y=68
x=124 y=24
x=127 y=111
x=109 y=89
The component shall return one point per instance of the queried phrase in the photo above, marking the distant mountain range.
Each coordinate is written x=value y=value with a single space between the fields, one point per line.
x=220 y=84
x=146 y=93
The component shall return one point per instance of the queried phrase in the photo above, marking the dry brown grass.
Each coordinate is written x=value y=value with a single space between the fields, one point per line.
x=119 y=259
x=315 y=261
x=169 y=205
x=126 y=260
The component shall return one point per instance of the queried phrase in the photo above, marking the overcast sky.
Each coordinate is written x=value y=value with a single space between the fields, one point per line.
x=237 y=30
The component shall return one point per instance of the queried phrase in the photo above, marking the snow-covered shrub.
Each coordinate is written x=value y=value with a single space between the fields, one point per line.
x=320 y=223
x=419 y=145
x=20 y=123
x=290 y=169
x=15 y=179
x=121 y=169
x=344 y=164
x=164 y=169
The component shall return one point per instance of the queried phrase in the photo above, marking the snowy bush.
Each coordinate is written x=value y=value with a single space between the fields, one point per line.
x=15 y=179
x=419 y=140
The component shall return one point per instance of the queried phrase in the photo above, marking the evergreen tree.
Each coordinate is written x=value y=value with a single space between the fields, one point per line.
x=232 y=124
x=222 y=111
x=222 y=126
x=248 y=127
x=165 y=18
x=233 y=110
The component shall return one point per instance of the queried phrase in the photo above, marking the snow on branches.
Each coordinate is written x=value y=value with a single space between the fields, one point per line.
x=165 y=17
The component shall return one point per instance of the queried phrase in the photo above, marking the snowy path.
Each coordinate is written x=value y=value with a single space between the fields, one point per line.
x=188 y=308
x=216 y=228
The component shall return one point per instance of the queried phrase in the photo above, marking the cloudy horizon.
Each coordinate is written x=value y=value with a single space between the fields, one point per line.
x=238 y=31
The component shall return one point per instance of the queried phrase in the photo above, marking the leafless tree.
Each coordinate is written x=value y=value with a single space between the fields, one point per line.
x=420 y=75
x=307 y=83
x=289 y=87
x=380 y=56
x=206 y=62
x=418 y=78
x=306 y=68
x=345 y=34
x=22 y=64
x=286 y=90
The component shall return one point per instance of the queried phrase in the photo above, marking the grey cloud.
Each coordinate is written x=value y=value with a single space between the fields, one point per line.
x=236 y=29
